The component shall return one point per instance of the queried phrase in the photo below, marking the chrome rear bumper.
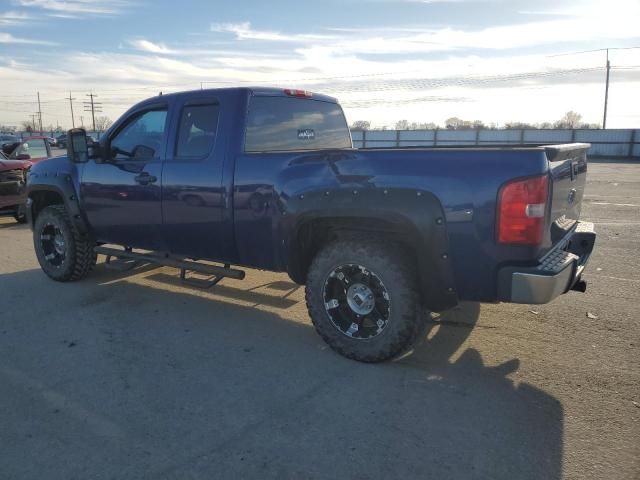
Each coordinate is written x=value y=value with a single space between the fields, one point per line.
x=558 y=271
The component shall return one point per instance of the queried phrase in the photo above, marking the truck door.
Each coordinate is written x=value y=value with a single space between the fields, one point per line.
x=196 y=209
x=121 y=192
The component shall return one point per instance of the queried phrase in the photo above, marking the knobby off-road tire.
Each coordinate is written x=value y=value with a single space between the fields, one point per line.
x=63 y=252
x=376 y=272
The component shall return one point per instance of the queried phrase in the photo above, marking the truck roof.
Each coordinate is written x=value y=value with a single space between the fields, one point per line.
x=255 y=90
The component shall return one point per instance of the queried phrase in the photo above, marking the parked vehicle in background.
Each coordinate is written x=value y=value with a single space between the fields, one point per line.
x=33 y=149
x=8 y=143
x=269 y=179
x=52 y=141
x=61 y=141
x=13 y=175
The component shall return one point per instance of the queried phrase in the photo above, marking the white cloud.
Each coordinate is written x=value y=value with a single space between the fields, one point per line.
x=243 y=31
x=14 y=18
x=94 y=7
x=8 y=38
x=151 y=47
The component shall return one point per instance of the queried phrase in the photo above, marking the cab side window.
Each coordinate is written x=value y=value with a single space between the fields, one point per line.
x=141 y=138
x=197 y=130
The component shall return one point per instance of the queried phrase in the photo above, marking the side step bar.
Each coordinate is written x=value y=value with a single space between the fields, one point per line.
x=184 y=265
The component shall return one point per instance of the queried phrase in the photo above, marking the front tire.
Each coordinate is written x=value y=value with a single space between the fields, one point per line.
x=363 y=300
x=63 y=253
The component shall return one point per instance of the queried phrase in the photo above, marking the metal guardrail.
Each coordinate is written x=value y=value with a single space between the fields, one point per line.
x=622 y=143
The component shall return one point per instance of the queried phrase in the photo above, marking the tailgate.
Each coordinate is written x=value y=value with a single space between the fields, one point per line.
x=568 y=174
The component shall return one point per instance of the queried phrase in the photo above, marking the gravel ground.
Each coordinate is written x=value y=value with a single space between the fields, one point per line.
x=131 y=375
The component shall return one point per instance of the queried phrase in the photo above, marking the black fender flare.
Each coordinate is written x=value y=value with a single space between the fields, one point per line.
x=416 y=214
x=61 y=184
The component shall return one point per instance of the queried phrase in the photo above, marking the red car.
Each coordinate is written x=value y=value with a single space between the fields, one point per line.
x=13 y=176
x=33 y=149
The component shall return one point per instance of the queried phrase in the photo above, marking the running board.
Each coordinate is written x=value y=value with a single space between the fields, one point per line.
x=218 y=273
x=200 y=282
x=121 y=264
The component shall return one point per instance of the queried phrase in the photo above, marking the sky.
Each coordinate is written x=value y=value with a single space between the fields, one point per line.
x=424 y=61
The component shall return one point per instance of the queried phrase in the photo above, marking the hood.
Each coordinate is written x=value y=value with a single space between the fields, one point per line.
x=14 y=164
x=53 y=164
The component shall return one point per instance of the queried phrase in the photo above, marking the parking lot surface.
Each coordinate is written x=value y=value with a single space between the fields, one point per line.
x=132 y=375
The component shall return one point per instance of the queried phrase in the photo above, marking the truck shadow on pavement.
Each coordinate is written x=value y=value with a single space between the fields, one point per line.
x=110 y=378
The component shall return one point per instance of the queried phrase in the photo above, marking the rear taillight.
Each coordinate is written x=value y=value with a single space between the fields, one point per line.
x=298 y=93
x=522 y=205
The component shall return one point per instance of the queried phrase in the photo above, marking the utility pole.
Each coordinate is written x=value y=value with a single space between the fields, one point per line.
x=606 y=93
x=39 y=113
x=92 y=107
x=73 y=123
x=81 y=121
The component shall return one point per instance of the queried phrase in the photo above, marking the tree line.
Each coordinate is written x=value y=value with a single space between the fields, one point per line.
x=29 y=126
x=569 y=120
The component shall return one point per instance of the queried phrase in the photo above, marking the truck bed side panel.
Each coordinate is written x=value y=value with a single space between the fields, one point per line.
x=273 y=192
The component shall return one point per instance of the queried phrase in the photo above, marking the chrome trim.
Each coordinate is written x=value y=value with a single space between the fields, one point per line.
x=537 y=289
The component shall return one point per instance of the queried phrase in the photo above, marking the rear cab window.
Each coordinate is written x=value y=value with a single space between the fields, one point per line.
x=292 y=124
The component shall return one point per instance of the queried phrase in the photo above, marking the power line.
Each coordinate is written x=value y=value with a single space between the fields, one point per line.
x=592 y=51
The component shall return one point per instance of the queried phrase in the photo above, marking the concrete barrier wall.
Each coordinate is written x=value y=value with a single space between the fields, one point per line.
x=604 y=143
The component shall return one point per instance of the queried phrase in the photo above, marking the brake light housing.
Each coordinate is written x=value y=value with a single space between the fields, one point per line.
x=298 y=93
x=522 y=207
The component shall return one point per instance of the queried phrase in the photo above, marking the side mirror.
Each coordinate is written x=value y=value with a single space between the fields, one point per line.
x=77 y=148
x=23 y=156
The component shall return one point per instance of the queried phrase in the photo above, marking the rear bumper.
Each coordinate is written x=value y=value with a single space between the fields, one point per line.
x=558 y=271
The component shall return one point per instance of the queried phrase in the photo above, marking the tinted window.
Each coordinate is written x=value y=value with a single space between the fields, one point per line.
x=281 y=123
x=35 y=148
x=141 y=138
x=197 y=130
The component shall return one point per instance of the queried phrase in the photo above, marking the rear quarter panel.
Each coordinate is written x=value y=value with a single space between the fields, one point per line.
x=275 y=192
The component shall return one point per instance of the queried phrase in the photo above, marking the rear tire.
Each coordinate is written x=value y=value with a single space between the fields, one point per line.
x=63 y=252
x=363 y=299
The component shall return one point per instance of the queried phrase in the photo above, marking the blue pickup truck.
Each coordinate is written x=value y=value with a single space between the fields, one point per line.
x=266 y=178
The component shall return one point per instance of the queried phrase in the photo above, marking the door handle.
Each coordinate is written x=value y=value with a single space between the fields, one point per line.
x=145 y=179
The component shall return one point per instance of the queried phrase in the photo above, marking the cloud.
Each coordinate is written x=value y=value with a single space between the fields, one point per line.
x=8 y=38
x=151 y=47
x=14 y=18
x=243 y=31
x=91 y=7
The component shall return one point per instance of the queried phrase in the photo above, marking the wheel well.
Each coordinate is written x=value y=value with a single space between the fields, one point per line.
x=42 y=199
x=312 y=235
